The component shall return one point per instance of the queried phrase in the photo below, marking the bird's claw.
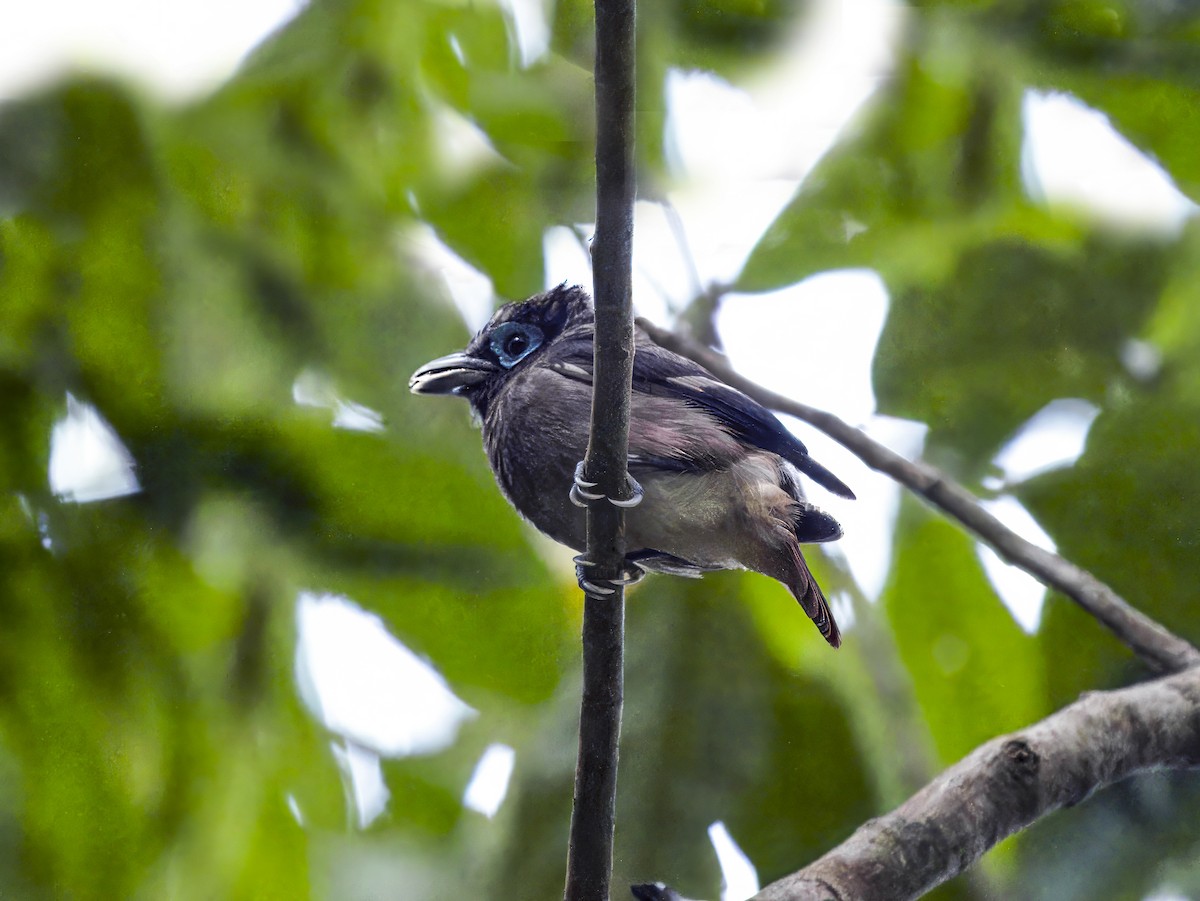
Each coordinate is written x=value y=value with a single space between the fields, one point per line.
x=597 y=588
x=631 y=574
x=582 y=494
x=636 y=493
x=580 y=480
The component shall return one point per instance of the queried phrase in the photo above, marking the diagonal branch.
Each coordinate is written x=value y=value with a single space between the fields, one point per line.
x=1002 y=787
x=1159 y=648
x=589 y=855
x=998 y=789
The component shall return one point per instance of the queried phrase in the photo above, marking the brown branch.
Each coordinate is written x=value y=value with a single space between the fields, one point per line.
x=998 y=789
x=1002 y=787
x=1159 y=648
x=589 y=854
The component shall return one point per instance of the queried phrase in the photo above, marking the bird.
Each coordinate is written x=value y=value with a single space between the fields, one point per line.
x=716 y=476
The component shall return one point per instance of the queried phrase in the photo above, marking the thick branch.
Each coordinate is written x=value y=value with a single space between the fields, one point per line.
x=1159 y=648
x=1004 y=786
x=589 y=856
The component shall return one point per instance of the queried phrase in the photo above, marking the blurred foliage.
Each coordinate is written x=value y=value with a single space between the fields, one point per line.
x=999 y=306
x=180 y=267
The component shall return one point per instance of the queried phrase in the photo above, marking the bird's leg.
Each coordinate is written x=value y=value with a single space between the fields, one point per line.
x=631 y=574
x=582 y=492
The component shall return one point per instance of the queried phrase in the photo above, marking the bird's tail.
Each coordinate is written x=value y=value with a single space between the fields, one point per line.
x=811 y=524
x=805 y=589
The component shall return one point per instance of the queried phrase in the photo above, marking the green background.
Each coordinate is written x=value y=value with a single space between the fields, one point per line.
x=178 y=266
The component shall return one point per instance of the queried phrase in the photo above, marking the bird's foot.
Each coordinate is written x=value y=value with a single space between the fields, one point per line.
x=583 y=492
x=581 y=489
x=631 y=574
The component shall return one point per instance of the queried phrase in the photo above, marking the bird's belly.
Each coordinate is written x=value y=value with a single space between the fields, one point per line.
x=690 y=516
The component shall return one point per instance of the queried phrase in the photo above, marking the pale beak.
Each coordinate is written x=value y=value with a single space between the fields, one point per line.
x=452 y=374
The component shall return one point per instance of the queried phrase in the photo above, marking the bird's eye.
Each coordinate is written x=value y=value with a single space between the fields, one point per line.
x=514 y=341
x=516 y=345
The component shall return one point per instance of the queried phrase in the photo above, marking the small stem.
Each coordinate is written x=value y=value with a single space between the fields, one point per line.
x=589 y=855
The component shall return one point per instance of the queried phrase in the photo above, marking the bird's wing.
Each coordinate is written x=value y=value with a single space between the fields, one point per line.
x=660 y=562
x=694 y=435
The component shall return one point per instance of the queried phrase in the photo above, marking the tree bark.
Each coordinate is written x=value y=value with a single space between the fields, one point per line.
x=1004 y=786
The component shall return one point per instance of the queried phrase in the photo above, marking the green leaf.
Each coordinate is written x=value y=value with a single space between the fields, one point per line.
x=745 y=740
x=976 y=674
x=1139 y=457
x=933 y=169
x=1014 y=327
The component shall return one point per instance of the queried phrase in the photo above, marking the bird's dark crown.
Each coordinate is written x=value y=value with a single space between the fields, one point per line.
x=543 y=317
x=552 y=311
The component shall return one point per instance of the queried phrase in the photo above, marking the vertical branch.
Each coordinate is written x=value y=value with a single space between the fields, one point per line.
x=589 y=858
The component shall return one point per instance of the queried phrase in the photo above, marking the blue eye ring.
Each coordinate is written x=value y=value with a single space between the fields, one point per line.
x=512 y=342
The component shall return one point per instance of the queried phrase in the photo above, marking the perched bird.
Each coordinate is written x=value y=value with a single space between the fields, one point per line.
x=718 y=473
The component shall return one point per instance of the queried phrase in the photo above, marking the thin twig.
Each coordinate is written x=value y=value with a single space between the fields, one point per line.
x=589 y=855
x=699 y=315
x=679 y=232
x=902 y=750
x=906 y=746
x=1159 y=648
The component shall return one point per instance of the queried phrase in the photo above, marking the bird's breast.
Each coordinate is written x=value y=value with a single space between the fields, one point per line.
x=533 y=443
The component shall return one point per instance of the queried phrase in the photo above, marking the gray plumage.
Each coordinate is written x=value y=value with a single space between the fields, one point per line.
x=720 y=473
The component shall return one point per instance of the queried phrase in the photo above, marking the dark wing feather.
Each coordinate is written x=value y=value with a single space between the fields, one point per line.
x=659 y=562
x=658 y=372
x=813 y=602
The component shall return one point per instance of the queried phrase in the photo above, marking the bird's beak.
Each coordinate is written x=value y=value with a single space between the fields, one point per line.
x=450 y=374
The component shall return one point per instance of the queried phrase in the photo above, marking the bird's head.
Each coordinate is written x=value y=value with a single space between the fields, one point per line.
x=514 y=338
